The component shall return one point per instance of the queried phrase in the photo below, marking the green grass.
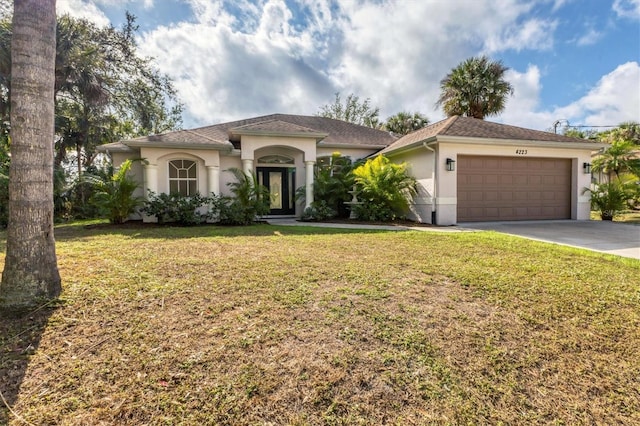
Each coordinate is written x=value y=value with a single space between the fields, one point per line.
x=295 y=325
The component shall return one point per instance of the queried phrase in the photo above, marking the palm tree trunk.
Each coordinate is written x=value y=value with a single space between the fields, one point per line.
x=31 y=272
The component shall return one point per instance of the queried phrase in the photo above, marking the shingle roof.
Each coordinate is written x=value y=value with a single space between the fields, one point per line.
x=219 y=135
x=457 y=126
x=276 y=127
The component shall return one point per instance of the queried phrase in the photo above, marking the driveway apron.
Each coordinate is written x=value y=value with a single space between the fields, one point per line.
x=621 y=239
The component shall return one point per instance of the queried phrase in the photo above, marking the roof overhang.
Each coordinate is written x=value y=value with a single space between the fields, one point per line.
x=411 y=147
x=318 y=136
x=350 y=146
x=590 y=146
x=115 y=147
x=181 y=145
x=433 y=140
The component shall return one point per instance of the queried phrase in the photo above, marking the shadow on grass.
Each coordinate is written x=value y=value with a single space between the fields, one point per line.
x=20 y=334
x=148 y=230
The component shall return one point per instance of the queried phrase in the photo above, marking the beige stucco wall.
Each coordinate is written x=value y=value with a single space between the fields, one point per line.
x=160 y=157
x=421 y=167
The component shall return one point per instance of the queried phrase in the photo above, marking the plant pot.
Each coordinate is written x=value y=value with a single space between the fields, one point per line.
x=606 y=216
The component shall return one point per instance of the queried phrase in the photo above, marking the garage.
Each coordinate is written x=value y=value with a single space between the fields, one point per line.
x=491 y=188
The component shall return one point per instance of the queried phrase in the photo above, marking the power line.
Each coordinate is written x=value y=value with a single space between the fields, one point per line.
x=559 y=121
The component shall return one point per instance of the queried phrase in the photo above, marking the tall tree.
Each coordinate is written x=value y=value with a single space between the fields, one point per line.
x=627 y=131
x=404 y=123
x=352 y=110
x=619 y=158
x=104 y=90
x=31 y=271
x=475 y=88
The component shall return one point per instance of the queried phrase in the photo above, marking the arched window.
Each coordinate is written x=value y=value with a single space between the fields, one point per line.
x=183 y=177
x=275 y=159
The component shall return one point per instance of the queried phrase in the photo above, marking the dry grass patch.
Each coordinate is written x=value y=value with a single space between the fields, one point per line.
x=275 y=325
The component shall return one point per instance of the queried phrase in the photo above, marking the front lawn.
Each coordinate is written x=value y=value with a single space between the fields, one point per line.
x=295 y=325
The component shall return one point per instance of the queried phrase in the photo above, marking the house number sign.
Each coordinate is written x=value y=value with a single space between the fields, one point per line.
x=521 y=152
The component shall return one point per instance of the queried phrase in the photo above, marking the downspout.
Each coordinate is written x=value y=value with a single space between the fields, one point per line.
x=433 y=178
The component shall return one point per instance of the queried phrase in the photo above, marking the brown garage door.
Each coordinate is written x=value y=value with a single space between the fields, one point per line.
x=513 y=188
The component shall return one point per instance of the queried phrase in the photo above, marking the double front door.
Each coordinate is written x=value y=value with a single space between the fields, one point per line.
x=281 y=184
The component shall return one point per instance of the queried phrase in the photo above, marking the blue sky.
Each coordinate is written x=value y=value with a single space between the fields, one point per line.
x=576 y=60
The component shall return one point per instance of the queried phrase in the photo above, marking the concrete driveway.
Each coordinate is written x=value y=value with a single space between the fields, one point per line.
x=607 y=237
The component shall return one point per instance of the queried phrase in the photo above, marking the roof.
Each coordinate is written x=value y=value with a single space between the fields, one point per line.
x=468 y=127
x=330 y=132
x=276 y=128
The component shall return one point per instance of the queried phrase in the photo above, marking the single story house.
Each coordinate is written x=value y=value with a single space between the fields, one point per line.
x=467 y=169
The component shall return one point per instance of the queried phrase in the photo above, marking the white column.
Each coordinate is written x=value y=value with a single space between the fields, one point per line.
x=309 y=183
x=247 y=166
x=150 y=184
x=213 y=175
x=151 y=178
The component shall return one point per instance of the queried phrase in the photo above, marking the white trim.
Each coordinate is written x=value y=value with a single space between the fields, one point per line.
x=592 y=146
x=446 y=201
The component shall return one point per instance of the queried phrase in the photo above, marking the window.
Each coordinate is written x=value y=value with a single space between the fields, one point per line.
x=275 y=159
x=183 y=177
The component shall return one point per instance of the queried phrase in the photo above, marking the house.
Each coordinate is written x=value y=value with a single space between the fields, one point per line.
x=467 y=169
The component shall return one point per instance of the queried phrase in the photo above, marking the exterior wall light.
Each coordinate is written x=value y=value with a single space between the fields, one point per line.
x=587 y=168
x=451 y=165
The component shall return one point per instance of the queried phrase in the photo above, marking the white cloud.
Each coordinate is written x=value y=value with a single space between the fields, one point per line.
x=269 y=59
x=266 y=57
x=82 y=9
x=536 y=34
x=523 y=108
x=614 y=99
x=558 y=4
x=590 y=37
x=90 y=9
x=627 y=8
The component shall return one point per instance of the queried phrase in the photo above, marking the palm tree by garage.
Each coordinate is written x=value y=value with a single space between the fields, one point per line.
x=475 y=88
x=618 y=159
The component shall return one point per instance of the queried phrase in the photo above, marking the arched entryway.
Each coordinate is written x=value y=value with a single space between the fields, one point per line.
x=277 y=172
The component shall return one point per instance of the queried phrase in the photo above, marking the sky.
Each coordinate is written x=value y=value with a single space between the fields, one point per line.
x=572 y=61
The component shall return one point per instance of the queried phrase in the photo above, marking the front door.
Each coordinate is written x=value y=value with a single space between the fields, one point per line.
x=281 y=184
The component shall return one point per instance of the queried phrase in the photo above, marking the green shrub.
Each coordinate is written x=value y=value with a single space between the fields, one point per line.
x=609 y=198
x=180 y=209
x=319 y=210
x=384 y=189
x=114 y=194
x=250 y=200
x=331 y=185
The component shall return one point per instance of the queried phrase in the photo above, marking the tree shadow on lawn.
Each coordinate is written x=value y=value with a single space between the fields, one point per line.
x=20 y=334
x=167 y=231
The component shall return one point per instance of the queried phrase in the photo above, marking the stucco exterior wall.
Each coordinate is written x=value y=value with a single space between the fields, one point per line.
x=159 y=159
x=421 y=167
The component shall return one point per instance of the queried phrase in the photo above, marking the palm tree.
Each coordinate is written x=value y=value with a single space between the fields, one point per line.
x=618 y=159
x=404 y=123
x=384 y=188
x=475 y=88
x=31 y=271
